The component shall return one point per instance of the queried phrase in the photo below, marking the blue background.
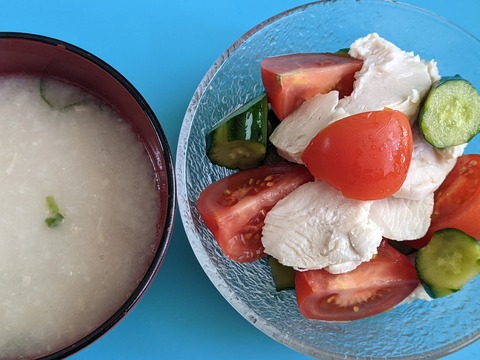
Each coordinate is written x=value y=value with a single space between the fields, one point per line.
x=164 y=48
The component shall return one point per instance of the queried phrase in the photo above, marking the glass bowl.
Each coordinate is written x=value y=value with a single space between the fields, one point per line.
x=38 y=55
x=416 y=330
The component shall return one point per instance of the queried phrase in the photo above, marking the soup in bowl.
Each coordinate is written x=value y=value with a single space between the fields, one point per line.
x=88 y=197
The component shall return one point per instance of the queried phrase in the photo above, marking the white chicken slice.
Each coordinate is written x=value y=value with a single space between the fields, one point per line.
x=418 y=294
x=428 y=168
x=389 y=77
x=402 y=219
x=315 y=227
x=296 y=131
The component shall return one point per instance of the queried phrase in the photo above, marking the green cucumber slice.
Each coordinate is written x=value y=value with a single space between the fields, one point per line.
x=343 y=51
x=449 y=261
x=402 y=246
x=450 y=114
x=283 y=276
x=239 y=141
x=438 y=292
x=61 y=96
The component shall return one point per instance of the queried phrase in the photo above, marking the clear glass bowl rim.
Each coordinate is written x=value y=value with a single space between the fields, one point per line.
x=182 y=192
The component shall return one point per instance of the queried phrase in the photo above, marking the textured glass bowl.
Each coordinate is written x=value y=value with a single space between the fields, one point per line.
x=416 y=330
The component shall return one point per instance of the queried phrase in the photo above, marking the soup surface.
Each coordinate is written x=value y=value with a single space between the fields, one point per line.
x=58 y=283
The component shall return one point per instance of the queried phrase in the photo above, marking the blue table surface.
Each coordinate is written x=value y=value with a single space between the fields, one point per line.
x=164 y=48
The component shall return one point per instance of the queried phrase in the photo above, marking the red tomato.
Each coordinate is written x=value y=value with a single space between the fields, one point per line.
x=457 y=201
x=291 y=79
x=234 y=207
x=372 y=288
x=366 y=156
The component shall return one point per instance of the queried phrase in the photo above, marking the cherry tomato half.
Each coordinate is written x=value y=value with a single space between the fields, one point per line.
x=365 y=156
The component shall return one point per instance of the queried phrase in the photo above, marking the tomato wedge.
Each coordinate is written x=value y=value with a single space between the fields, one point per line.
x=365 y=156
x=457 y=201
x=234 y=207
x=291 y=79
x=372 y=288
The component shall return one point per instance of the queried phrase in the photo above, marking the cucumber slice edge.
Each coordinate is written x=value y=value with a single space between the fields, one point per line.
x=449 y=261
x=450 y=114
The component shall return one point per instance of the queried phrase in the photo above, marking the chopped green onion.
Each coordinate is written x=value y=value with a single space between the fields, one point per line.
x=54 y=221
x=52 y=205
x=56 y=217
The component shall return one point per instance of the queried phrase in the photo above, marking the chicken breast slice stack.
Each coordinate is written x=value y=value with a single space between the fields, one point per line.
x=315 y=227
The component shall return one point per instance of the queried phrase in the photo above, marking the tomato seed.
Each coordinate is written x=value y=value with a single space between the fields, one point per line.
x=356 y=309
x=229 y=201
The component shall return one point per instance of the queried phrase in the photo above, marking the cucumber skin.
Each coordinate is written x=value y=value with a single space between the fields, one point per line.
x=436 y=293
x=437 y=290
x=425 y=112
x=244 y=133
x=445 y=79
x=283 y=276
x=343 y=51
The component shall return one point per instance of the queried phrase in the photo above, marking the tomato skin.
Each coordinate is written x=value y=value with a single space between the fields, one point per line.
x=457 y=201
x=234 y=208
x=365 y=156
x=372 y=288
x=291 y=79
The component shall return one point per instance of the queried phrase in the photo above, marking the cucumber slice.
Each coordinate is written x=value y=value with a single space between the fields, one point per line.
x=402 y=246
x=448 y=262
x=283 y=276
x=61 y=96
x=438 y=292
x=272 y=155
x=450 y=114
x=240 y=140
x=343 y=51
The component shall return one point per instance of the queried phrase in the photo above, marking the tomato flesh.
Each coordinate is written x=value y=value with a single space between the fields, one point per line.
x=365 y=156
x=291 y=79
x=372 y=288
x=457 y=201
x=234 y=208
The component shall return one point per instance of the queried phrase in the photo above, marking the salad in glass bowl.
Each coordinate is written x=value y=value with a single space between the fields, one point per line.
x=338 y=191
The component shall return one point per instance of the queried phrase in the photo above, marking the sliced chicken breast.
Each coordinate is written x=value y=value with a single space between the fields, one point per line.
x=315 y=227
